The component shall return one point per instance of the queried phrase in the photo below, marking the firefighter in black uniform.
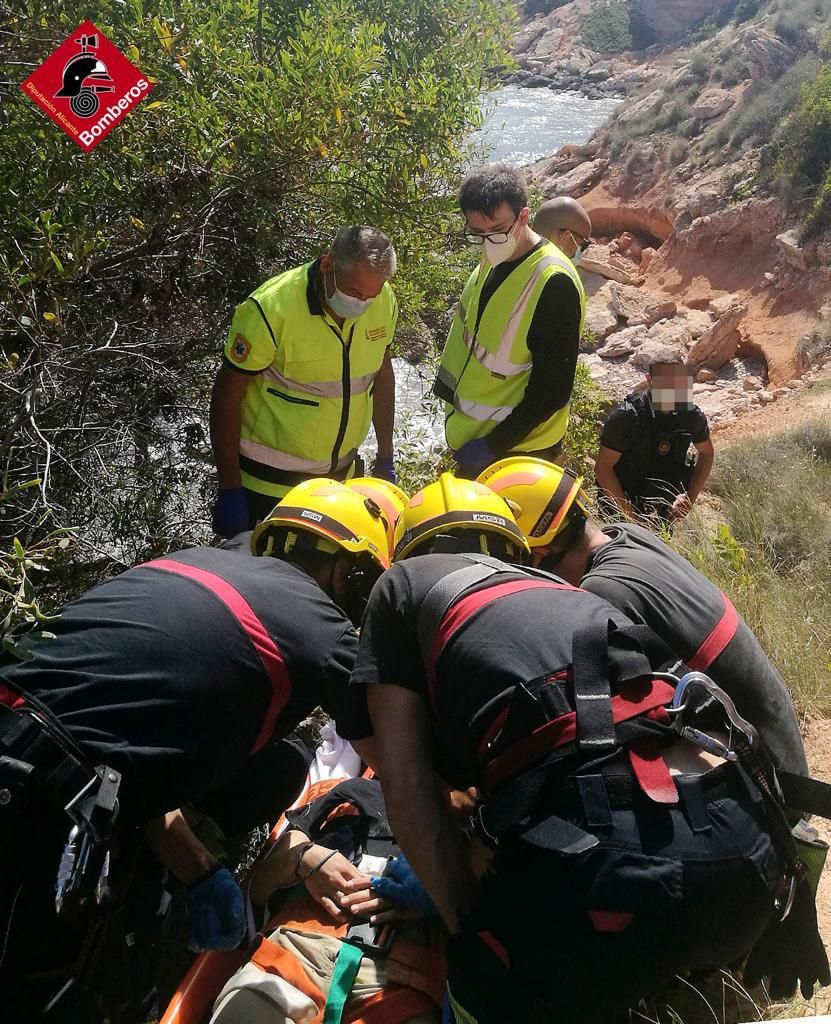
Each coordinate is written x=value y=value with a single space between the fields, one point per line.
x=644 y=467
x=623 y=855
x=160 y=686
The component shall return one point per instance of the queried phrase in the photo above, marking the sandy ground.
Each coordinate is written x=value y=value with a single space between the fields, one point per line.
x=790 y=411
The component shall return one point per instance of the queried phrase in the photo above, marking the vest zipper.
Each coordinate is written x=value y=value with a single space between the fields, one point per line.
x=346 y=383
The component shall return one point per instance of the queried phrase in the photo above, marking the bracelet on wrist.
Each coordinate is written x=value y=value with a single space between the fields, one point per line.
x=317 y=866
x=303 y=849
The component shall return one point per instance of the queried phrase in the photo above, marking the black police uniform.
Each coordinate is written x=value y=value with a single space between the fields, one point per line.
x=153 y=675
x=652 y=584
x=655 y=463
x=584 y=935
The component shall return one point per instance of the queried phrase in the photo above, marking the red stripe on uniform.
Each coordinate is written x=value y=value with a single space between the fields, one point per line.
x=455 y=618
x=559 y=731
x=269 y=653
x=721 y=635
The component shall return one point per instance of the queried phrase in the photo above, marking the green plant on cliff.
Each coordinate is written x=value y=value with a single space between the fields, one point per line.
x=607 y=27
x=803 y=150
x=269 y=125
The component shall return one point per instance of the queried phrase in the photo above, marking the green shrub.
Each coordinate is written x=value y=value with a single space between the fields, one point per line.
x=270 y=125
x=767 y=104
x=607 y=28
x=583 y=434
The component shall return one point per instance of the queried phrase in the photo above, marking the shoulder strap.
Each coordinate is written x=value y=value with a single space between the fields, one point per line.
x=447 y=591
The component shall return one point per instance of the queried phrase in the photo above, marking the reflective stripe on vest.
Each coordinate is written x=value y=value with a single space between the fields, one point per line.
x=293 y=463
x=266 y=648
x=499 y=362
x=720 y=636
x=322 y=388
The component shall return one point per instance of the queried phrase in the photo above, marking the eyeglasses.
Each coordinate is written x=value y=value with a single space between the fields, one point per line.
x=581 y=243
x=496 y=237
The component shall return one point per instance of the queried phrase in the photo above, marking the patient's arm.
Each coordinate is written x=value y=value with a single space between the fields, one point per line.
x=294 y=859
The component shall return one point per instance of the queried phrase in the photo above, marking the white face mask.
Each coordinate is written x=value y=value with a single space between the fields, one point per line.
x=499 y=252
x=347 y=306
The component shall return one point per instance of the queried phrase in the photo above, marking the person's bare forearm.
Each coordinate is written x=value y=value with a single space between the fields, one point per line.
x=700 y=474
x=421 y=822
x=171 y=840
x=383 y=408
x=607 y=479
x=225 y=424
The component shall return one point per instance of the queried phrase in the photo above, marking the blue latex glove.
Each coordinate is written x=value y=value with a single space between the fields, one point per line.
x=384 y=469
x=230 y=512
x=400 y=885
x=473 y=457
x=217 y=912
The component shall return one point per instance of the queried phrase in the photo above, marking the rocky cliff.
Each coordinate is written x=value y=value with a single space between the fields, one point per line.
x=669 y=19
x=694 y=257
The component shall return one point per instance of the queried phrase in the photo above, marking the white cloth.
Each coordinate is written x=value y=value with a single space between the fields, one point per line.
x=335 y=758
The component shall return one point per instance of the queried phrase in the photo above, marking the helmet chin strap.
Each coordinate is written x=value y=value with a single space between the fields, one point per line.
x=353 y=586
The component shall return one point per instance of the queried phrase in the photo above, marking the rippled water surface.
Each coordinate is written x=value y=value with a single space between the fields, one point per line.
x=525 y=124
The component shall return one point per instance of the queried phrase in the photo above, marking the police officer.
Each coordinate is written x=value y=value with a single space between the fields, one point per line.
x=606 y=881
x=306 y=368
x=644 y=466
x=173 y=678
x=507 y=370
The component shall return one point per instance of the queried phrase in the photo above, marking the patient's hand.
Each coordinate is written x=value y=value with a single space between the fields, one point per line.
x=362 y=901
x=329 y=882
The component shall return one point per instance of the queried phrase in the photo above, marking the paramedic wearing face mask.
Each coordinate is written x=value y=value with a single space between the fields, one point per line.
x=306 y=369
x=507 y=370
x=644 y=466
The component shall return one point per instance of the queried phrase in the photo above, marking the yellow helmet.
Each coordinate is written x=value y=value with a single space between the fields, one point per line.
x=389 y=498
x=546 y=496
x=450 y=505
x=334 y=515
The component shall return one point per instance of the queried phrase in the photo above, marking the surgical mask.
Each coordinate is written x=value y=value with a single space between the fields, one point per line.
x=347 y=306
x=499 y=252
x=575 y=259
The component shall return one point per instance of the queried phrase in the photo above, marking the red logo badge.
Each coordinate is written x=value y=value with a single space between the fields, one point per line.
x=86 y=86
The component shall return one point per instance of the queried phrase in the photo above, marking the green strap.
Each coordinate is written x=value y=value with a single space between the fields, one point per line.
x=343 y=978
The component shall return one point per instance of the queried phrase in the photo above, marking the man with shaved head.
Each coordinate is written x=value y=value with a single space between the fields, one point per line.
x=564 y=222
x=507 y=370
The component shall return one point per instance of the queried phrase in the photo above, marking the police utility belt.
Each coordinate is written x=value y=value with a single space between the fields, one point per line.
x=39 y=759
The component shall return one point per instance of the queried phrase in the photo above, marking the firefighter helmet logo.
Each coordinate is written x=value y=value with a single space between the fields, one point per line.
x=664 y=447
x=84 y=76
x=87 y=86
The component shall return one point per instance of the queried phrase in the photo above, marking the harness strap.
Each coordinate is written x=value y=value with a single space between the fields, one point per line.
x=346 y=970
x=807 y=795
x=592 y=688
x=442 y=595
x=267 y=650
x=720 y=636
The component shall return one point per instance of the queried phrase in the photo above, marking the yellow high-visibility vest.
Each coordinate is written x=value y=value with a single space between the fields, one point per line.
x=308 y=406
x=486 y=366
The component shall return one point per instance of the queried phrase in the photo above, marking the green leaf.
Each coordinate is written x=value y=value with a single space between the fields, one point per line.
x=56 y=261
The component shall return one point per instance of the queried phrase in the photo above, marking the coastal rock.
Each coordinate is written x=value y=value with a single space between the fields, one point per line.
x=577 y=181
x=529 y=34
x=698 y=321
x=601 y=317
x=719 y=344
x=705 y=377
x=752 y=384
x=666 y=342
x=637 y=307
x=765 y=397
x=622 y=343
x=766 y=55
x=791 y=250
x=647 y=256
x=599 y=260
x=712 y=103
x=549 y=42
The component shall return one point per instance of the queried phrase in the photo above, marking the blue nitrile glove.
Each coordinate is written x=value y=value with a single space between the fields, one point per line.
x=230 y=512
x=217 y=912
x=400 y=885
x=384 y=469
x=473 y=457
